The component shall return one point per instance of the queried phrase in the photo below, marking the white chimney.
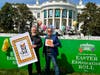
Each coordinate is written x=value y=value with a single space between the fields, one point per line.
x=37 y=2
x=81 y=2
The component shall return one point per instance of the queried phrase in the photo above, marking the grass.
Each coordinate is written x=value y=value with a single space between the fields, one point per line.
x=25 y=72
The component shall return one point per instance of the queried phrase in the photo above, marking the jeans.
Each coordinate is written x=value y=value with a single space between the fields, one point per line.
x=54 y=60
x=38 y=67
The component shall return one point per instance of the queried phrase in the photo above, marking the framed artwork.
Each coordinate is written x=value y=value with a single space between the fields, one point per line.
x=48 y=42
x=23 y=51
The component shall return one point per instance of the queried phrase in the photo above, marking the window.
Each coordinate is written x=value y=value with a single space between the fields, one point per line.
x=38 y=15
x=45 y=14
x=50 y=13
x=57 y=23
x=50 y=21
x=64 y=13
x=70 y=13
x=74 y=15
x=64 y=22
x=45 y=21
x=70 y=22
x=57 y=13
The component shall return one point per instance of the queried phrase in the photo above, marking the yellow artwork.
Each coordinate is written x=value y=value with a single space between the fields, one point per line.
x=6 y=45
x=23 y=51
x=49 y=42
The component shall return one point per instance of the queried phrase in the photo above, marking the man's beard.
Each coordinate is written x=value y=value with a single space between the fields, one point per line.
x=33 y=34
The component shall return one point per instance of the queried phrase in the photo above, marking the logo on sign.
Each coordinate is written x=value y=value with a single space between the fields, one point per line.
x=86 y=47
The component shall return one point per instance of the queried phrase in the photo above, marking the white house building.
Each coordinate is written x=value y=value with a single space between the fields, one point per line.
x=56 y=12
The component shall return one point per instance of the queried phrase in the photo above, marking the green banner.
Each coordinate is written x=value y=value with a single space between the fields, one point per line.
x=74 y=56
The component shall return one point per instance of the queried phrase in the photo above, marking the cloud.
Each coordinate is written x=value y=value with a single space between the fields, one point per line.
x=2 y=2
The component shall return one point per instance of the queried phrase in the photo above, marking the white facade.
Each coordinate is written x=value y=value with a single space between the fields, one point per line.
x=56 y=13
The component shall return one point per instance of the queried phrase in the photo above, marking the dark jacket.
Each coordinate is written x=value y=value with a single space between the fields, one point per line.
x=54 y=50
x=36 y=40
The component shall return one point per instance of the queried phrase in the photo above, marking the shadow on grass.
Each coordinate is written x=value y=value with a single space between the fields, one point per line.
x=64 y=65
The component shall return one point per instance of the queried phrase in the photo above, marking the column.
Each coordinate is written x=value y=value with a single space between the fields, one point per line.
x=53 y=18
x=60 y=18
x=42 y=16
x=72 y=20
x=76 y=14
x=47 y=18
x=67 y=17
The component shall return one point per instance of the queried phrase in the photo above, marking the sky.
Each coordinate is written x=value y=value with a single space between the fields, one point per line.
x=2 y=2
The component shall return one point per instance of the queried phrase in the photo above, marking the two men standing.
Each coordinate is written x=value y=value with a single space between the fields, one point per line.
x=50 y=51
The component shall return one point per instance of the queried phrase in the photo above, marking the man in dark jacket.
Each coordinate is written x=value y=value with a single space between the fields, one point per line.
x=50 y=50
x=36 y=44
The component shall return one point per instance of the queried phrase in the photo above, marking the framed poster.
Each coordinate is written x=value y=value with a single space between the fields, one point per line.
x=49 y=42
x=23 y=51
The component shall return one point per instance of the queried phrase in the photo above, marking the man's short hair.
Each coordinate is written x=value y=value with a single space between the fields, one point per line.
x=50 y=29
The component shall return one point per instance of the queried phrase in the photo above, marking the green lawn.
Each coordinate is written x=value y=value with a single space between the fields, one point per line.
x=66 y=54
x=25 y=72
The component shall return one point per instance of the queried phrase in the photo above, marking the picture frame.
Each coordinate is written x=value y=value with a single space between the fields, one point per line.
x=49 y=42
x=22 y=48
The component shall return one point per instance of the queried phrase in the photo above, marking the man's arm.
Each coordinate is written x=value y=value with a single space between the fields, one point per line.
x=44 y=47
x=39 y=44
x=58 y=43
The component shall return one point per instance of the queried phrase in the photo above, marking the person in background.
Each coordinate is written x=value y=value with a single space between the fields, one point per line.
x=41 y=28
x=50 y=50
x=36 y=44
x=58 y=32
x=50 y=25
x=63 y=29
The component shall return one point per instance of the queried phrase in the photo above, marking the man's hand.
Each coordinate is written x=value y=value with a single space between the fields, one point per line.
x=52 y=45
x=34 y=46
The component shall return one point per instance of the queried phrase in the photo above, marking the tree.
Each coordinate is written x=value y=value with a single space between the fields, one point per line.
x=90 y=19
x=25 y=18
x=6 y=21
x=15 y=17
x=97 y=23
